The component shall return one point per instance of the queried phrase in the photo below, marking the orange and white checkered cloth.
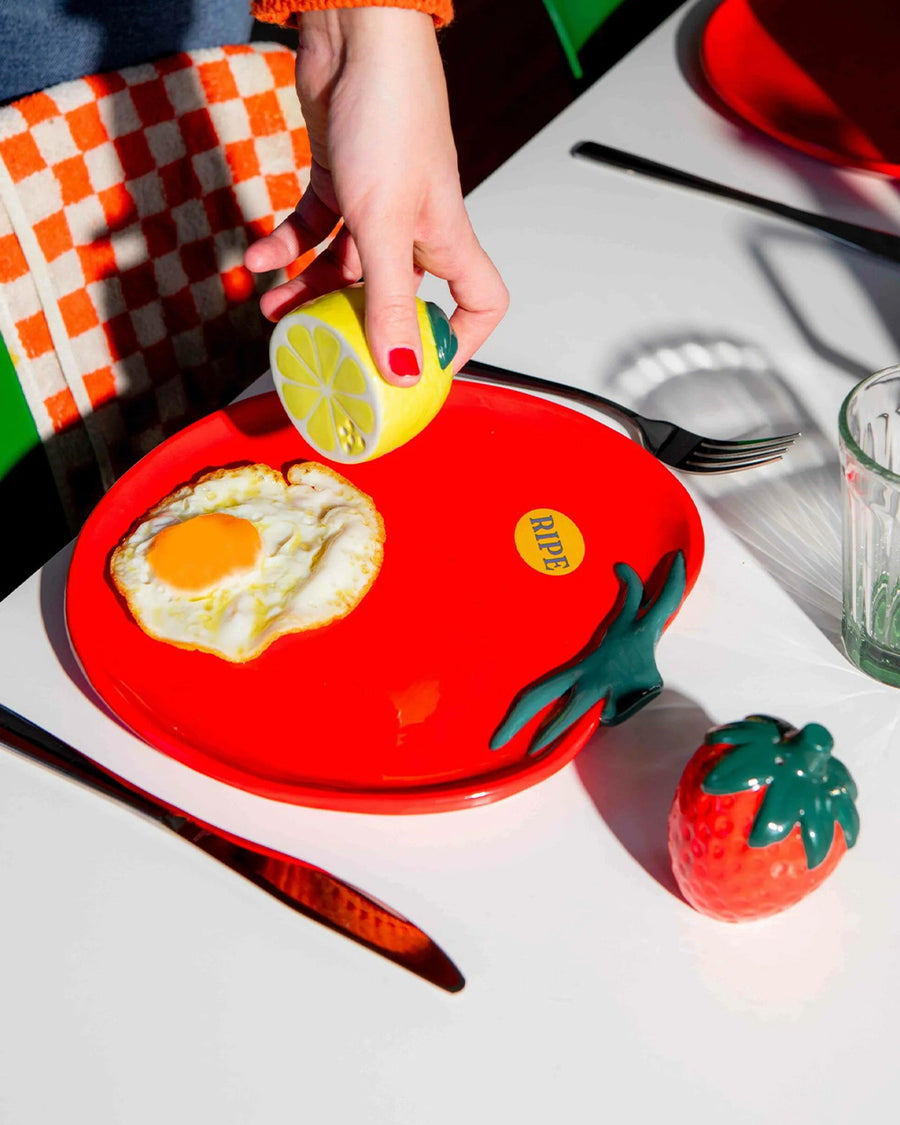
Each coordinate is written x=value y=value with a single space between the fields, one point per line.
x=126 y=203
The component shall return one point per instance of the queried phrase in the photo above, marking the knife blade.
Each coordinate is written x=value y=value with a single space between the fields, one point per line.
x=878 y=242
x=307 y=889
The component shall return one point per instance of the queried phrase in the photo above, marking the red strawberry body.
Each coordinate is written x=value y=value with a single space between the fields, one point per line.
x=738 y=853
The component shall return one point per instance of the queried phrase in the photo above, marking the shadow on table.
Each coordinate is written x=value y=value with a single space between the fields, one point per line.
x=53 y=613
x=631 y=773
x=787 y=514
x=53 y=601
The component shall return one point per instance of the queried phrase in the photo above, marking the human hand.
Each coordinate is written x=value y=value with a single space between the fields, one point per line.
x=371 y=85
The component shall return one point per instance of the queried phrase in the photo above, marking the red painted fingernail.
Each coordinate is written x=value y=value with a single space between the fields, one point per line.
x=403 y=361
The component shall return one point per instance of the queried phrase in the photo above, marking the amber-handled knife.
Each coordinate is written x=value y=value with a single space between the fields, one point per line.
x=305 y=888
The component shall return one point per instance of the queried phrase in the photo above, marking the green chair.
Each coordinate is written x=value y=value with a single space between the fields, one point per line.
x=575 y=22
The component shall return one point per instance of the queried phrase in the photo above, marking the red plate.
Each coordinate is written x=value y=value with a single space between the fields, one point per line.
x=819 y=75
x=392 y=708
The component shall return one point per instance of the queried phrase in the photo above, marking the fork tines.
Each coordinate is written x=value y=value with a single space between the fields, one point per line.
x=713 y=456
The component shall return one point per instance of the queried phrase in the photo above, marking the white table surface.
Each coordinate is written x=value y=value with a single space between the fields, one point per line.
x=143 y=982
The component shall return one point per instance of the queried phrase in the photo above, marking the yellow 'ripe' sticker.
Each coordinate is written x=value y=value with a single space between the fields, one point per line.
x=549 y=541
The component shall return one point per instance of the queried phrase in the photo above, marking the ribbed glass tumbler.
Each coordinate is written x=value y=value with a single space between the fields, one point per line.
x=869 y=429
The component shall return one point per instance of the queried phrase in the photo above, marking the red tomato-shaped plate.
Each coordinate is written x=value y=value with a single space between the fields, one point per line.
x=819 y=75
x=392 y=708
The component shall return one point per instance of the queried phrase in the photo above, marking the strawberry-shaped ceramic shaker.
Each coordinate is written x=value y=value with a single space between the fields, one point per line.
x=762 y=816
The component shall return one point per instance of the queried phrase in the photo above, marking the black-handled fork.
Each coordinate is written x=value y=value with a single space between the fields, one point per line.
x=671 y=444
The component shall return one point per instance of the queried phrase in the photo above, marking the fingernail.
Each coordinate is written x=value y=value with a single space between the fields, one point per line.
x=403 y=361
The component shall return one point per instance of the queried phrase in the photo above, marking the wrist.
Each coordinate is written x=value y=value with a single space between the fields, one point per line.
x=322 y=32
x=370 y=38
x=337 y=29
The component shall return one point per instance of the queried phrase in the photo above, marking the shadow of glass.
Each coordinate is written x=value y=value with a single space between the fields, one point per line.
x=787 y=514
x=631 y=773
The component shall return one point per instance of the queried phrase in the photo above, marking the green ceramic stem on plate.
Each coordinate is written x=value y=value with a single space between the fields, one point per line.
x=618 y=666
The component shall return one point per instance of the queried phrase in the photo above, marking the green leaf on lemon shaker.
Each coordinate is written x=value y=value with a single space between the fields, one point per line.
x=444 y=337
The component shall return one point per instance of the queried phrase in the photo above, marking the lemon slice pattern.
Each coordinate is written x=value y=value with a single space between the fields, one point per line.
x=331 y=389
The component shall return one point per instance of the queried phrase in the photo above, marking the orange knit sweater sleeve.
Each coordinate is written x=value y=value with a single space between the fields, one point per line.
x=283 y=11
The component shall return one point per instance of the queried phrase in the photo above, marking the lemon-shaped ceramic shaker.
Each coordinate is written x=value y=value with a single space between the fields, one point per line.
x=332 y=391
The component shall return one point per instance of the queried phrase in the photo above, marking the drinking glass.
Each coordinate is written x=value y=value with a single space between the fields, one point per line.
x=869 y=429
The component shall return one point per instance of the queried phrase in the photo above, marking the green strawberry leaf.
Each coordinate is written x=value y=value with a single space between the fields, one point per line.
x=841 y=779
x=736 y=773
x=804 y=784
x=818 y=832
x=846 y=815
x=777 y=815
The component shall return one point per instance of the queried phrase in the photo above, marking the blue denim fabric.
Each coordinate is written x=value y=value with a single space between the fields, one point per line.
x=43 y=42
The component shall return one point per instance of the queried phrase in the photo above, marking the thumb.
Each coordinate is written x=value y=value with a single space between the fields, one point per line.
x=392 y=323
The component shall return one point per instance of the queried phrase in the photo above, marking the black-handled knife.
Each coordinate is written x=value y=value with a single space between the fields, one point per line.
x=307 y=889
x=863 y=238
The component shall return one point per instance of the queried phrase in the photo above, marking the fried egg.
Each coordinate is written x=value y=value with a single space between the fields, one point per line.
x=237 y=558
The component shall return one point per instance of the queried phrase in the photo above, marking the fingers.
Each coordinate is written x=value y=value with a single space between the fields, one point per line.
x=335 y=268
x=310 y=223
x=387 y=255
x=392 y=278
x=481 y=300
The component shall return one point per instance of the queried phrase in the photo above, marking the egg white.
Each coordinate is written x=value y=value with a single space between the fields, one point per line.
x=322 y=547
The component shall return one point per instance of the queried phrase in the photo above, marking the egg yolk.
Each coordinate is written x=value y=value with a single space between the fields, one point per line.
x=201 y=551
